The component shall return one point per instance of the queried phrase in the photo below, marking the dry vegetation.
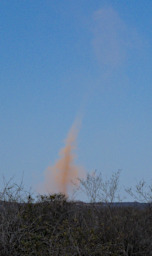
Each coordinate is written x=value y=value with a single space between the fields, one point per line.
x=52 y=225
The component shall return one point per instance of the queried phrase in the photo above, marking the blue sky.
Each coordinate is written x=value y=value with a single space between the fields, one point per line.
x=61 y=58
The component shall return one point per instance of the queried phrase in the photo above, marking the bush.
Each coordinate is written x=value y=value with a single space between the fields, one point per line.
x=52 y=225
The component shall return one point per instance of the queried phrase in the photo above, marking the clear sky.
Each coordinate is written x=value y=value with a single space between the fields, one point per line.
x=61 y=58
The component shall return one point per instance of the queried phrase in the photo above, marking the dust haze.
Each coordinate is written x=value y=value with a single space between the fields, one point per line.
x=61 y=177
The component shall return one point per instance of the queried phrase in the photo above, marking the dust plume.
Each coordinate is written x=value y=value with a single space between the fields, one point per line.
x=113 y=40
x=61 y=177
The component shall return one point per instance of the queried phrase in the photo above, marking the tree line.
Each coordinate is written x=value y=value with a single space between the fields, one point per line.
x=52 y=225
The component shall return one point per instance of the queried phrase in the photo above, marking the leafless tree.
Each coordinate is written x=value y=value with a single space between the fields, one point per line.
x=142 y=192
x=99 y=190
